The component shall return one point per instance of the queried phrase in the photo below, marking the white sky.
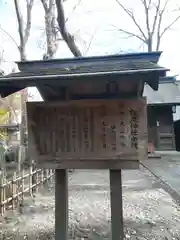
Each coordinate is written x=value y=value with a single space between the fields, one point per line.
x=98 y=18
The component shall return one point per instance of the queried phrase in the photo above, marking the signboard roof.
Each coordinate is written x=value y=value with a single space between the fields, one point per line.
x=58 y=71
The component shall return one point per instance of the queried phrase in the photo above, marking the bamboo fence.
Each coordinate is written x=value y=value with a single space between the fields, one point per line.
x=12 y=191
x=23 y=181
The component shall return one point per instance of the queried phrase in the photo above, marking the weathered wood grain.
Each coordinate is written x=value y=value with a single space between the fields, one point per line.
x=87 y=130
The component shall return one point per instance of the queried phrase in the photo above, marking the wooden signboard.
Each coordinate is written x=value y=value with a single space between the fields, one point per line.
x=109 y=134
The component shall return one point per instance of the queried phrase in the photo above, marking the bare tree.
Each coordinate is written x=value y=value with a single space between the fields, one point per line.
x=154 y=29
x=56 y=29
x=67 y=37
x=51 y=28
x=9 y=36
x=24 y=32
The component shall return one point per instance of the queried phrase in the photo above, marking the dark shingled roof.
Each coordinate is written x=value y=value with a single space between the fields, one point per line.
x=34 y=73
x=89 y=65
x=168 y=79
x=168 y=93
x=141 y=65
x=114 y=66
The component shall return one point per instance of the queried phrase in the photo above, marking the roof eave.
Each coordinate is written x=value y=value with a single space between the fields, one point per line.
x=76 y=75
x=164 y=103
x=150 y=56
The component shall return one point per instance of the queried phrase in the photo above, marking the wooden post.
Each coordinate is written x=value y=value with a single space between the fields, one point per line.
x=116 y=205
x=22 y=190
x=61 y=205
x=14 y=190
x=42 y=176
x=5 y=190
x=2 y=180
x=2 y=192
x=22 y=125
x=37 y=180
x=30 y=179
x=47 y=171
x=34 y=177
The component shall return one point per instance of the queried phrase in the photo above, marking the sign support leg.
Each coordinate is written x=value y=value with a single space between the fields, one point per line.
x=116 y=205
x=61 y=204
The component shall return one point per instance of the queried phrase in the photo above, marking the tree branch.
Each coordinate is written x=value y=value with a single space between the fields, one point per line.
x=45 y=5
x=131 y=15
x=23 y=33
x=68 y=38
x=131 y=34
x=20 y=20
x=161 y=14
x=149 y=4
x=29 y=5
x=51 y=4
x=150 y=36
x=3 y=30
x=50 y=26
x=156 y=17
x=74 y=8
x=169 y=26
x=153 y=26
x=146 y=8
x=90 y=42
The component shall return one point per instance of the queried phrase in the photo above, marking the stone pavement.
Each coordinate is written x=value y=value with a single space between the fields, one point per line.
x=149 y=211
x=166 y=168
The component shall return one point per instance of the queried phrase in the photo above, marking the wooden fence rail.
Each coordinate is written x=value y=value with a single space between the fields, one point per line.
x=27 y=181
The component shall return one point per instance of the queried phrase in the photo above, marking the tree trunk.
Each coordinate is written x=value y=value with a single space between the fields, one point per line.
x=22 y=52
x=149 y=44
x=24 y=32
x=51 y=29
x=49 y=36
x=68 y=38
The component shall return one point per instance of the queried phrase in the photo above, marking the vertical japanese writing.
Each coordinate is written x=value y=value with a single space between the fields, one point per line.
x=62 y=116
x=85 y=127
x=122 y=125
x=73 y=129
x=113 y=137
x=103 y=113
x=90 y=130
x=133 y=128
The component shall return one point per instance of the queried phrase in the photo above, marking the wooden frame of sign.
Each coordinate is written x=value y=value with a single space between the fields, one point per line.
x=88 y=134
x=82 y=134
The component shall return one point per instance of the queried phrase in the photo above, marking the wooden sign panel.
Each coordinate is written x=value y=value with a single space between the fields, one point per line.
x=88 y=133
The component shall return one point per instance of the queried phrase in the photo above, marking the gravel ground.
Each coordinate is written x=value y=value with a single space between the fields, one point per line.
x=149 y=211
